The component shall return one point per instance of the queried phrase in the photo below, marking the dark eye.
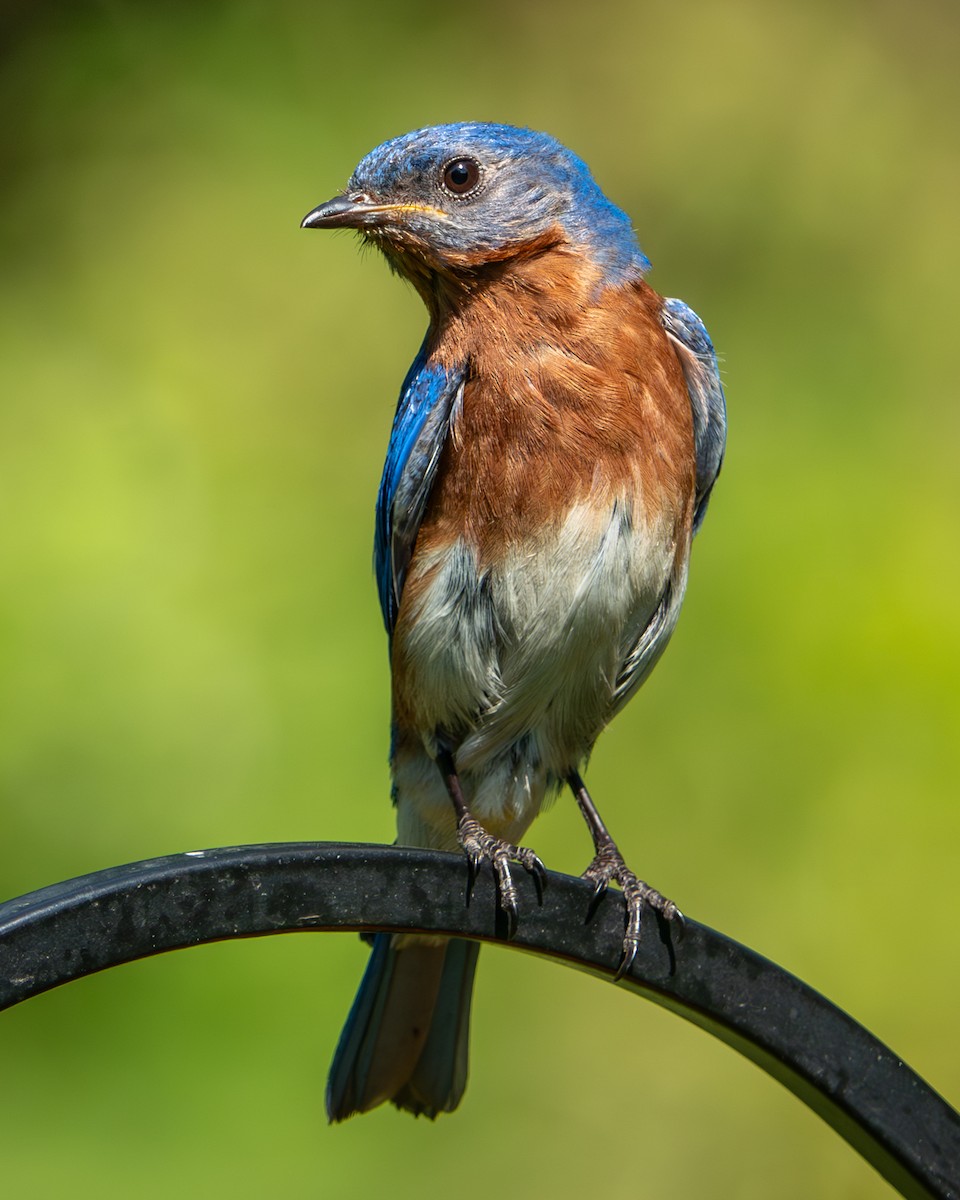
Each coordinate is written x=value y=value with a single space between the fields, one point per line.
x=461 y=176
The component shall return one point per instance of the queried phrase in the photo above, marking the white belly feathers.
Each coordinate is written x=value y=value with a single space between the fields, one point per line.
x=518 y=665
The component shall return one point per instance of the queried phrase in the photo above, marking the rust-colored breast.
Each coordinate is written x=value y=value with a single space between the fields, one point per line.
x=575 y=394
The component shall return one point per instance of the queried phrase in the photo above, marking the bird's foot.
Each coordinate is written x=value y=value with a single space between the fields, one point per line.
x=608 y=865
x=480 y=846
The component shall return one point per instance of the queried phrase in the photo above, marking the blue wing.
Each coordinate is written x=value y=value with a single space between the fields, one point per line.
x=699 y=361
x=420 y=428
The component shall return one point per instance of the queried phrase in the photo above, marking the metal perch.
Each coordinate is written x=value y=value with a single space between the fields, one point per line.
x=859 y=1086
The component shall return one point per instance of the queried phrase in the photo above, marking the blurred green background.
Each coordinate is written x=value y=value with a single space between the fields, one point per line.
x=196 y=398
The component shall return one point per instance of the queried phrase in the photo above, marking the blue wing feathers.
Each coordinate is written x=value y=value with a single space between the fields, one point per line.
x=419 y=432
x=699 y=362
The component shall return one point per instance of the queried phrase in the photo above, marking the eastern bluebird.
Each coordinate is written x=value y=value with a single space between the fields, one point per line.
x=551 y=457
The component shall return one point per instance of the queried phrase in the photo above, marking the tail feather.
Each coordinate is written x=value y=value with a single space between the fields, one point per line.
x=440 y=1075
x=406 y=1038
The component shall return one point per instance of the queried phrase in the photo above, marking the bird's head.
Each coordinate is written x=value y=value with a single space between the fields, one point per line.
x=451 y=199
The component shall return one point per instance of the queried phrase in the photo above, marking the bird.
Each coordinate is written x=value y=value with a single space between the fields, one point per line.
x=551 y=457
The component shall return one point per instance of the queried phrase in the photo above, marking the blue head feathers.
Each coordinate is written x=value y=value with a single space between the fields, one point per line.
x=455 y=196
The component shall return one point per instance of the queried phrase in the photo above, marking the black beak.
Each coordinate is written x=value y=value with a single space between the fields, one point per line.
x=342 y=212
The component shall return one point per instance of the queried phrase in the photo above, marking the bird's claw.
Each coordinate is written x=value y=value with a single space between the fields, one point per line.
x=599 y=891
x=479 y=846
x=607 y=866
x=473 y=870
x=536 y=870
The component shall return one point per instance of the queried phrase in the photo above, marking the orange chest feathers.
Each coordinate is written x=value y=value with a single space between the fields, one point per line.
x=564 y=404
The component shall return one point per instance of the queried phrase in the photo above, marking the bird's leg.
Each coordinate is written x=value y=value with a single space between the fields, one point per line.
x=608 y=864
x=480 y=846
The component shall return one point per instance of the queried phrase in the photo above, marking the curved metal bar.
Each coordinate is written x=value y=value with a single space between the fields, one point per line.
x=869 y=1096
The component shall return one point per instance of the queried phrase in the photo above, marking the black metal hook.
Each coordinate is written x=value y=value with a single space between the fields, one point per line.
x=859 y=1086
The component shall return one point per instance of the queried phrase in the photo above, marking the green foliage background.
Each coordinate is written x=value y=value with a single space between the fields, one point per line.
x=194 y=402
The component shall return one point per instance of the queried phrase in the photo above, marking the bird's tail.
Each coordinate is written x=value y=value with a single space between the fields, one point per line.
x=406 y=1038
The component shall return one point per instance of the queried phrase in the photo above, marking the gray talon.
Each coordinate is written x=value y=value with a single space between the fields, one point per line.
x=607 y=866
x=479 y=846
